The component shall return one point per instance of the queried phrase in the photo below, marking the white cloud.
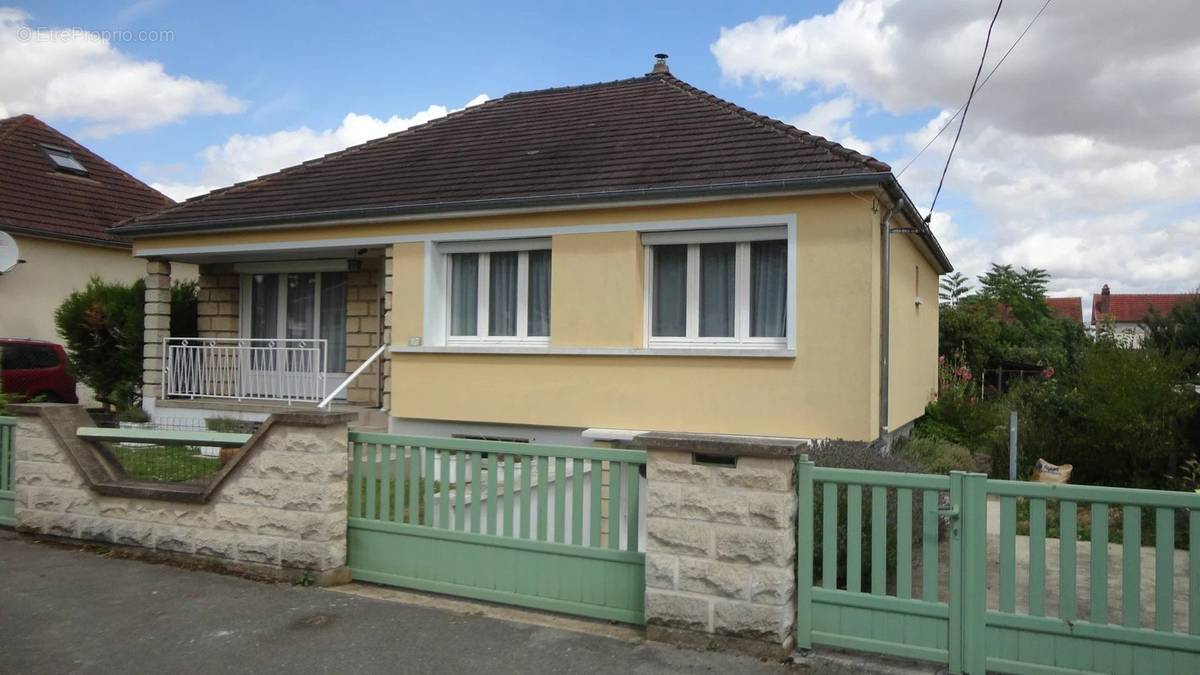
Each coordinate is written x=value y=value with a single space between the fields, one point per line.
x=71 y=74
x=246 y=156
x=831 y=119
x=1079 y=155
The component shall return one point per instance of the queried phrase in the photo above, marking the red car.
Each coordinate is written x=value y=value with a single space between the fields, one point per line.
x=35 y=369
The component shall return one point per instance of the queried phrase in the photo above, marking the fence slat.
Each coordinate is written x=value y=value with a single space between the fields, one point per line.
x=372 y=481
x=1164 y=570
x=477 y=493
x=631 y=522
x=1194 y=572
x=493 y=493
x=929 y=545
x=356 y=479
x=1037 y=557
x=904 y=570
x=429 y=486
x=526 y=497
x=400 y=473
x=577 y=501
x=543 y=501
x=444 y=493
x=1067 y=536
x=560 y=499
x=614 y=504
x=385 y=485
x=854 y=538
x=1098 y=590
x=460 y=490
x=597 y=469
x=510 y=493
x=414 y=486
x=878 y=540
x=1008 y=554
x=1131 y=565
x=829 y=526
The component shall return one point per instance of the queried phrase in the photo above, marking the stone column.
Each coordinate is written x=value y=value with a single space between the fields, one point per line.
x=157 y=327
x=385 y=361
x=721 y=541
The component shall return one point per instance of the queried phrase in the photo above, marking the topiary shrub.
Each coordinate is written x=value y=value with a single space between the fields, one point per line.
x=937 y=455
x=858 y=455
x=102 y=328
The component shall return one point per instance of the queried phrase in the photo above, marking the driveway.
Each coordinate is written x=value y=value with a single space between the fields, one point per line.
x=65 y=610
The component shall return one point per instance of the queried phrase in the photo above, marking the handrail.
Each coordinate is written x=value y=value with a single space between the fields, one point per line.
x=346 y=382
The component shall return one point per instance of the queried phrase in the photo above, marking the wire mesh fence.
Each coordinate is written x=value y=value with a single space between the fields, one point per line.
x=171 y=462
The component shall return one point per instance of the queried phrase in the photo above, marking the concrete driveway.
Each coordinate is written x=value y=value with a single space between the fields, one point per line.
x=72 y=611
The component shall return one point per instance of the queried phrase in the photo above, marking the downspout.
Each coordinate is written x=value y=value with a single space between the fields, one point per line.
x=885 y=322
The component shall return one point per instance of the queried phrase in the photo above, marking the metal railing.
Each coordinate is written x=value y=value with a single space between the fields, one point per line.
x=244 y=368
x=325 y=403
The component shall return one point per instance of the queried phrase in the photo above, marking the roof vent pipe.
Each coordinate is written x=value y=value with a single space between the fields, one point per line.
x=660 y=64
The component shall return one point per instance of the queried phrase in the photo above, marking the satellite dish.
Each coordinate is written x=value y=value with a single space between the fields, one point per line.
x=9 y=255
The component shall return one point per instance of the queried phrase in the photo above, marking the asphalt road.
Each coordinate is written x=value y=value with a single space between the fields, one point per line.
x=72 y=611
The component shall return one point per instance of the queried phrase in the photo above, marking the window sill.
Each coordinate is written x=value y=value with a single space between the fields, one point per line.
x=705 y=351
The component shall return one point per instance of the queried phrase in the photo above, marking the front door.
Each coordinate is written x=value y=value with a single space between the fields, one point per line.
x=294 y=307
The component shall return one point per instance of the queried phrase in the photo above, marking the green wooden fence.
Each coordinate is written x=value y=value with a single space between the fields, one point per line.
x=550 y=527
x=8 y=427
x=951 y=591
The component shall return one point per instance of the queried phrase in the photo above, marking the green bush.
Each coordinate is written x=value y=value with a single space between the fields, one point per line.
x=857 y=455
x=936 y=455
x=185 y=309
x=102 y=328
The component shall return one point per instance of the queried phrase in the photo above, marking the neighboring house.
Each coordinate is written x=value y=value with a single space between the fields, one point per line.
x=563 y=265
x=1125 y=311
x=57 y=200
x=1067 y=308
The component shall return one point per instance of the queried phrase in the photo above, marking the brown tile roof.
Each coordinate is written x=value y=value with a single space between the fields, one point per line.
x=648 y=133
x=1133 y=307
x=1067 y=308
x=38 y=199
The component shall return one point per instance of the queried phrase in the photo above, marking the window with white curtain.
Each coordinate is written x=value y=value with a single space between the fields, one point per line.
x=712 y=289
x=497 y=295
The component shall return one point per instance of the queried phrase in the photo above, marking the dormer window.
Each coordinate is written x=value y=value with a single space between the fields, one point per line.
x=64 y=160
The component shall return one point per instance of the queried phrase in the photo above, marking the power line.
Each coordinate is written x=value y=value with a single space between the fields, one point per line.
x=980 y=88
x=966 y=107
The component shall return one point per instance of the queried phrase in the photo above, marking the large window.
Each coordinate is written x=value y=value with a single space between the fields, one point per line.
x=301 y=305
x=718 y=290
x=499 y=296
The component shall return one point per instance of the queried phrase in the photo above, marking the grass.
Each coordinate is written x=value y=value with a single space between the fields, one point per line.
x=165 y=463
x=1083 y=523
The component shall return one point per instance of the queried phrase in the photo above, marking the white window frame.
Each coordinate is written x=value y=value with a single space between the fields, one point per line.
x=245 y=294
x=484 y=250
x=742 y=237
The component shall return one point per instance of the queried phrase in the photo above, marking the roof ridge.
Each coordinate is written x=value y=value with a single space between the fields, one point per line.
x=774 y=124
x=308 y=163
x=577 y=87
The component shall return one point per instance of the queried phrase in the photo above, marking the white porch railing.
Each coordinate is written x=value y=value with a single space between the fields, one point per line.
x=244 y=368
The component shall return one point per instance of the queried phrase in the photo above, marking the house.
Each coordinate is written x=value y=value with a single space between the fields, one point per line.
x=1066 y=308
x=58 y=200
x=1125 y=311
x=564 y=265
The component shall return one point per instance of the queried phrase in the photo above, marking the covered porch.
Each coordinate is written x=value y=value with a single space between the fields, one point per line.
x=291 y=329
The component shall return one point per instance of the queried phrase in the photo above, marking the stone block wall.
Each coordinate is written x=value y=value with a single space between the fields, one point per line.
x=721 y=551
x=157 y=325
x=363 y=306
x=282 y=510
x=217 y=298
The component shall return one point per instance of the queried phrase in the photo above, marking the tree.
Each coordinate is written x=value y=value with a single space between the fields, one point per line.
x=102 y=328
x=1176 y=333
x=953 y=288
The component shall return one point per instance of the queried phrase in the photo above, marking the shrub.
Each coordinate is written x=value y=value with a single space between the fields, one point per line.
x=936 y=455
x=102 y=328
x=857 y=455
x=185 y=309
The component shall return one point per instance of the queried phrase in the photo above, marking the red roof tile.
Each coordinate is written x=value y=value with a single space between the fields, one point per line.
x=38 y=199
x=1067 y=308
x=1133 y=307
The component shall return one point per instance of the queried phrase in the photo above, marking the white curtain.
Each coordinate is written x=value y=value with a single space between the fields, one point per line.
x=539 y=292
x=464 y=293
x=670 y=291
x=301 y=314
x=264 y=317
x=768 y=288
x=717 y=289
x=502 y=296
x=333 y=319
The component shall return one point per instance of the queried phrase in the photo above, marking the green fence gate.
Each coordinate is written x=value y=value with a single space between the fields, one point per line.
x=548 y=527
x=998 y=579
x=8 y=427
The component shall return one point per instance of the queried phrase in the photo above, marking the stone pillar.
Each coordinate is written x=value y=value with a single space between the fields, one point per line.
x=385 y=361
x=721 y=541
x=157 y=326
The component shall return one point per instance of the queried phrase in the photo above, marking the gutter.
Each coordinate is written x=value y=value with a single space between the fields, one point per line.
x=35 y=233
x=525 y=203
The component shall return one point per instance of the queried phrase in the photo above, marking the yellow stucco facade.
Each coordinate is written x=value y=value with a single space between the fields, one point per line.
x=598 y=372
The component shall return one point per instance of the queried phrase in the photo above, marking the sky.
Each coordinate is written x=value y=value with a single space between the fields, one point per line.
x=1081 y=154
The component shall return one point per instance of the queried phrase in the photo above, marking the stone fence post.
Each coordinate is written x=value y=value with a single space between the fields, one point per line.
x=278 y=508
x=157 y=326
x=721 y=541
